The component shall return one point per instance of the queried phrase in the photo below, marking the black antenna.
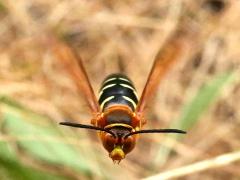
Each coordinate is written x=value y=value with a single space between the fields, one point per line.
x=156 y=131
x=84 y=126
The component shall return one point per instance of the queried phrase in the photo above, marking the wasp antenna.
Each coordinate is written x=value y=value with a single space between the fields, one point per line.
x=84 y=126
x=156 y=131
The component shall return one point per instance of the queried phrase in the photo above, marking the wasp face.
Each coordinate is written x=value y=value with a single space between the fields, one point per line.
x=119 y=145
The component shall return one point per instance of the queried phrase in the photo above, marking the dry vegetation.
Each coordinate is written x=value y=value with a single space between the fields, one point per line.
x=123 y=36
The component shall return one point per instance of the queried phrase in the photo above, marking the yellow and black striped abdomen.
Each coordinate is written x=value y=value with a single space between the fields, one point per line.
x=117 y=89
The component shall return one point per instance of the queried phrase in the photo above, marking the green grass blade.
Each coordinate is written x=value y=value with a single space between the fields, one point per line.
x=10 y=168
x=195 y=108
x=202 y=100
x=20 y=122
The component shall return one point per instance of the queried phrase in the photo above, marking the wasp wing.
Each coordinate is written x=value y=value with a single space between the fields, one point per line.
x=188 y=38
x=162 y=62
x=73 y=63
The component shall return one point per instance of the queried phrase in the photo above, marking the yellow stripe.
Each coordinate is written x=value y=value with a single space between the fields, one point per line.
x=124 y=79
x=111 y=79
x=127 y=86
x=135 y=94
x=108 y=86
x=99 y=94
x=105 y=101
x=118 y=124
x=130 y=100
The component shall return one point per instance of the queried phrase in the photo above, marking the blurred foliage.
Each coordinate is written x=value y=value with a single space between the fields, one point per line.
x=206 y=95
x=12 y=169
x=39 y=137
x=36 y=93
x=196 y=107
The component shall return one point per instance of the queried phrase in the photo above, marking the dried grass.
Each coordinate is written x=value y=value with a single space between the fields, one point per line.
x=125 y=36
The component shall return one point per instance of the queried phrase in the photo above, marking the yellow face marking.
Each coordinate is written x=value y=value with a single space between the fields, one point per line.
x=130 y=100
x=124 y=79
x=117 y=154
x=127 y=86
x=105 y=101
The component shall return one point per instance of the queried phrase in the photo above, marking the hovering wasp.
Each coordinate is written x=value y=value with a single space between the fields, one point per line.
x=118 y=113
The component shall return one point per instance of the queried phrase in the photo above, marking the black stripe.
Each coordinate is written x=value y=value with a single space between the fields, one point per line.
x=118 y=91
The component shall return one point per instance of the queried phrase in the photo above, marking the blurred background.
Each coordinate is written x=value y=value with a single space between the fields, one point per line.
x=200 y=94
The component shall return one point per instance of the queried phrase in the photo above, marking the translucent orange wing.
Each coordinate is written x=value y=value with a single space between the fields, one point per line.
x=163 y=61
x=73 y=63
x=189 y=36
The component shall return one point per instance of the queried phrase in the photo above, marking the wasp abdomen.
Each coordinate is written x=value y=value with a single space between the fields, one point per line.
x=117 y=89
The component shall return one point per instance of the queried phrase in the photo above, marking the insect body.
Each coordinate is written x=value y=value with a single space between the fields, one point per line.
x=118 y=113
x=118 y=101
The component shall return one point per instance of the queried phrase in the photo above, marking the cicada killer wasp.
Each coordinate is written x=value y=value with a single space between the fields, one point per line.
x=118 y=113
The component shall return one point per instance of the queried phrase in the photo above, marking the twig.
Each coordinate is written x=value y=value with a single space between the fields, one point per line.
x=218 y=161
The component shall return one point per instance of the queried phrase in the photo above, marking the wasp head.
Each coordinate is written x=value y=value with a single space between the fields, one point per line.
x=120 y=144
